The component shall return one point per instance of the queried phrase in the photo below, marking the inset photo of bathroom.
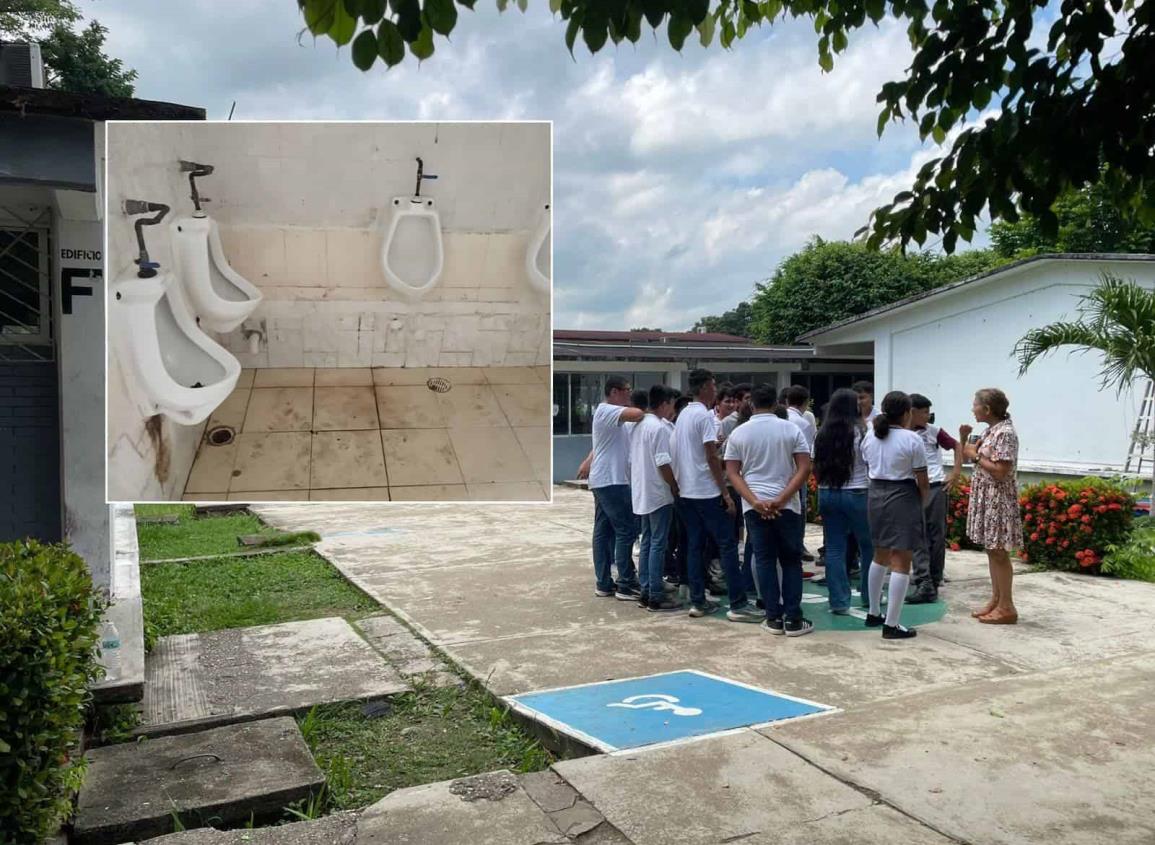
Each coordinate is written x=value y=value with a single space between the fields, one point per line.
x=328 y=311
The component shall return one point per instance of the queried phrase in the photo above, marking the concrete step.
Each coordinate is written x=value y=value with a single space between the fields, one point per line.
x=224 y=776
x=196 y=681
x=497 y=808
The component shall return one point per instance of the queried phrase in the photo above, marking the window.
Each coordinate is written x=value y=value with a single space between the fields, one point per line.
x=25 y=315
x=575 y=395
x=561 y=403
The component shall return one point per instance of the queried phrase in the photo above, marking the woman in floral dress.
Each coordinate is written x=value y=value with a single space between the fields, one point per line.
x=993 y=518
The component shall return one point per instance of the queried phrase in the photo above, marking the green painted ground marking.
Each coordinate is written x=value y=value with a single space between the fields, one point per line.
x=816 y=608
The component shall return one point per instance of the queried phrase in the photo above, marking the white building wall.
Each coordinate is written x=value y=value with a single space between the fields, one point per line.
x=950 y=345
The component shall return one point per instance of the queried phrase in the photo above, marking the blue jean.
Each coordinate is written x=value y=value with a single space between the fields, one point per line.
x=844 y=513
x=652 y=553
x=614 y=527
x=778 y=544
x=708 y=518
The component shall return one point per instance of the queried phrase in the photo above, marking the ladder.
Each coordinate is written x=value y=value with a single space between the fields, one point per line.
x=1142 y=449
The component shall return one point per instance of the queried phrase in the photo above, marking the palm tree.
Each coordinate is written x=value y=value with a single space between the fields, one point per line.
x=1116 y=319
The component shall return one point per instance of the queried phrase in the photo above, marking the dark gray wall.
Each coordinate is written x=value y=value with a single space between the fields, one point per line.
x=39 y=149
x=568 y=453
x=30 y=451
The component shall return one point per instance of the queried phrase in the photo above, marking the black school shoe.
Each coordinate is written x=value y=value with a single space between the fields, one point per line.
x=873 y=621
x=897 y=632
x=798 y=627
x=774 y=626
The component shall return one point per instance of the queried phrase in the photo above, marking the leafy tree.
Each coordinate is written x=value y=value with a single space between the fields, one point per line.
x=76 y=62
x=1080 y=105
x=23 y=20
x=736 y=321
x=828 y=281
x=1117 y=320
x=1089 y=221
x=73 y=61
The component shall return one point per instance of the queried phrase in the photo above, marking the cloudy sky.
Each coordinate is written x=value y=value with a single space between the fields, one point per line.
x=681 y=180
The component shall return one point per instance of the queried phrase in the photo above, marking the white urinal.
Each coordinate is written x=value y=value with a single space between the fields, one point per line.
x=411 y=252
x=170 y=365
x=217 y=293
x=539 y=254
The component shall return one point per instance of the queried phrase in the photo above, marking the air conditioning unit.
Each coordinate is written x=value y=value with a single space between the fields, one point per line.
x=21 y=65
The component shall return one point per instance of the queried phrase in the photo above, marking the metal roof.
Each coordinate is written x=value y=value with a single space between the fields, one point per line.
x=647 y=337
x=1014 y=265
x=747 y=351
x=14 y=99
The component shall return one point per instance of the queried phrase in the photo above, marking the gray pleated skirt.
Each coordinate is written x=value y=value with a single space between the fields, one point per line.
x=895 y=512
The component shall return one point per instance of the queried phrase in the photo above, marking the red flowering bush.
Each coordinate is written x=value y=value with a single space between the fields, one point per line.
x=1069 y=524
x=812 y=514
x=957 y=502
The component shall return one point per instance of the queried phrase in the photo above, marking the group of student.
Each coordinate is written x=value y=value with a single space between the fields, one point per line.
x=686 y=475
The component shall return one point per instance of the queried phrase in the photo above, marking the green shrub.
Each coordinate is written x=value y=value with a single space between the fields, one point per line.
x=1136 y=557
x=49 y=628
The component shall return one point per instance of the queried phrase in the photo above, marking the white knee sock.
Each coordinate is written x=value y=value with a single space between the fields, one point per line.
x=874 y=583
x=899 y=581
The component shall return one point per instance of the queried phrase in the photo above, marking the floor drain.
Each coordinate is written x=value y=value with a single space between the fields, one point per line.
x=438 y=385
x=221 y=435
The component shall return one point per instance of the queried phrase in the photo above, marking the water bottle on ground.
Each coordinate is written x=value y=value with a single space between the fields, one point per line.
x=110 y=650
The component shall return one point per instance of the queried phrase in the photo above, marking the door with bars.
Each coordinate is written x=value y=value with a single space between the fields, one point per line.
x=30 y=491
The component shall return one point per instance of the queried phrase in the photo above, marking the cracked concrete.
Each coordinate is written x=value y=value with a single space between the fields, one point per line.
x=199 y=680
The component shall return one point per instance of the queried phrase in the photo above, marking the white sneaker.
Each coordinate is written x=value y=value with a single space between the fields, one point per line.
x=745 y=614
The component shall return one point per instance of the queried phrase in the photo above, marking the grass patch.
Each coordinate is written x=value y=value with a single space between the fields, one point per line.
x=183 y=598
x=429 y=735
x=194 y=536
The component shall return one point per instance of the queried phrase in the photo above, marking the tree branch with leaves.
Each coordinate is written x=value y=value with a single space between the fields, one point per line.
x=1062 y=116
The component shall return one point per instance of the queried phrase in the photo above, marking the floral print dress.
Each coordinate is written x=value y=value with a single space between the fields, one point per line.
x=993 y=518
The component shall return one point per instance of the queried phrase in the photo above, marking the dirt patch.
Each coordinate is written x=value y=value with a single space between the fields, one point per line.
x=154 y=425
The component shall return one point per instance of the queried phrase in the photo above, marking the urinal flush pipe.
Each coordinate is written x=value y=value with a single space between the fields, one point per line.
x=254 y=331
x=195 y=169
x=421 y=175
x=147 y=269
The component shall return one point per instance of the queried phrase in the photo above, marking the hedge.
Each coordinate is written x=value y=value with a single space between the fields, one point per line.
x=49 y=629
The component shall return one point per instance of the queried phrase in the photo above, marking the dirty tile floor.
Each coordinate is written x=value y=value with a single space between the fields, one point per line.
x=378 y=434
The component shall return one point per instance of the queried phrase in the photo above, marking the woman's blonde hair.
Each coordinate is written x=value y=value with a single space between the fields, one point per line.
x=994 y=399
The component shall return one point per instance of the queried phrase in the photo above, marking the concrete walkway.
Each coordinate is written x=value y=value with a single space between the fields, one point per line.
x=971 y=733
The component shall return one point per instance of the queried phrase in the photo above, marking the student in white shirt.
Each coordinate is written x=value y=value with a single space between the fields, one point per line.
x=842 y=490
x=768 y=461
x=704 y=503
x=654 y=489
x=796 y=398
x=928 y=568
x=608 y=467
x=865 y=391
x=896 y=460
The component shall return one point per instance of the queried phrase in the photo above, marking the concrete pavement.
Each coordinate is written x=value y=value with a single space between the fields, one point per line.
x=1038 y=732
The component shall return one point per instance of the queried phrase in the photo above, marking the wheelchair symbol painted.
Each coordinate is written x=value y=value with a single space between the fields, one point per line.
x=656 y=701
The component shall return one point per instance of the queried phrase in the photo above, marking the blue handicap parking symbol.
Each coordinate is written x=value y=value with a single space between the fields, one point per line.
x=658 y=708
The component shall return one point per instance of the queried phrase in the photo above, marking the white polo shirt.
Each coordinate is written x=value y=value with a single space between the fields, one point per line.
x=611 y=447
x=766 y=446
x=809 y=430
x=895 y=458
x=693 y=434
x=649 y=450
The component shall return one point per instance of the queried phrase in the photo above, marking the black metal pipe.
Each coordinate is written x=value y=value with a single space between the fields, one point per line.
x=194 y=170
x=147 y=269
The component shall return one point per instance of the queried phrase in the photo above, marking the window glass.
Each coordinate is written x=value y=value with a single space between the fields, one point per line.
x=586 y=391
x=561 y=403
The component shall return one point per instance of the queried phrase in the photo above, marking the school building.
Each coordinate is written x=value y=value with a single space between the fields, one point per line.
x=52 y=332
x=582 y=360
x=948 y=342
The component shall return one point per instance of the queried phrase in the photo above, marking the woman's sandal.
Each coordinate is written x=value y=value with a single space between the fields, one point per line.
x=999 y=618
x=976 y=614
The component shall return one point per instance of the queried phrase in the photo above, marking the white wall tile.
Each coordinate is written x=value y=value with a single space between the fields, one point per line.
x=305 y=257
